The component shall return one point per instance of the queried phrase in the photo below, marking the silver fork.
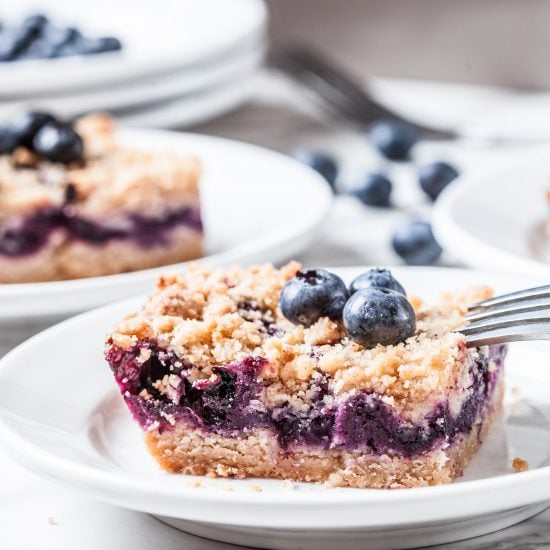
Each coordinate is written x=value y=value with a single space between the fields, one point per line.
x=342 y=96
x=513 y=317
x=338 y=93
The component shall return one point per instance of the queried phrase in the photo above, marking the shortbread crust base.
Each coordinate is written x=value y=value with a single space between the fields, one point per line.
x=188 y=450
x=63 y=259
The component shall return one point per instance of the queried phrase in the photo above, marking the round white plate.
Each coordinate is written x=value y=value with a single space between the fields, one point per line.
x=157 y=37
x=148 y=92
x=257 y=205
x=495 y=217
x=61 y=416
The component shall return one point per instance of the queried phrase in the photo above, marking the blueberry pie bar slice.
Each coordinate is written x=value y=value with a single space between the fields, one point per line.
x=74 y=203
x=290 y=374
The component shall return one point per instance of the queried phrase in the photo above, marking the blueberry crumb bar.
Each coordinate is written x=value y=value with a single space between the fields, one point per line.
x=290 y=374
x=74 y=203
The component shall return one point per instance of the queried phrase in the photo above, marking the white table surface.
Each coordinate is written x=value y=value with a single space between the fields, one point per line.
x=34 y=513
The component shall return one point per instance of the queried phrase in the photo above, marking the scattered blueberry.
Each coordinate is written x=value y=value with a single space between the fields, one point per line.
x=416 y=244
x=58 y=143
x=36 y=38
x=393 y=139
x=36 y=22
x=323 y=163
x=435 y=177
x=27 y=124
x=8 y=140
x=13 y=42
x=373 y=190
x=99 y=45
x=377 y=278
x=311 y=295
x=53 y=41
x=379 y=316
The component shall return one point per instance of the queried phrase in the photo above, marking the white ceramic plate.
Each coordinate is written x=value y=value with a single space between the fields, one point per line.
x=495 y=217
x=194 y=108
x=253 y=209
x=157 y=37
x=146 y=93
x=61 y=416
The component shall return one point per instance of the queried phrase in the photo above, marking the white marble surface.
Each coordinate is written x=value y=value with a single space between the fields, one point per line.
x=37 y=514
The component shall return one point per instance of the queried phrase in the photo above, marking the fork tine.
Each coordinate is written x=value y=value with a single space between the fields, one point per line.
x=520 y=333
x=503 y=323
x=344 y=84
x=514 y=297
x=502 y=310
x=354 y=110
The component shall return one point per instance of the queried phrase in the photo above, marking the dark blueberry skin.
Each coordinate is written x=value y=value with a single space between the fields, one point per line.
x=102 y=45
x=28 y=123
x=373 y=190
x=58 y=143
x=379 y=316
x=52 y=43
x=37 y=38
x=378 y=278
x=8 y=140
x=433 y=178
x=415 y=243
x=393 y=139
x=311 y=295
x=320 y=162
x=36 y=22
x=14 y=41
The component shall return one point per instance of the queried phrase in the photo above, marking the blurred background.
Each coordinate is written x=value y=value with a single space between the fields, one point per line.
x=478 y=41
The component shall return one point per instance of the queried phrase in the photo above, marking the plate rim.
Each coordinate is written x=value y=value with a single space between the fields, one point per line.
x=526 y=488
x=465 y=244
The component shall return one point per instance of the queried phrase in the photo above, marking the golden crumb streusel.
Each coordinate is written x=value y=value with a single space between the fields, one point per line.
x=213 y=317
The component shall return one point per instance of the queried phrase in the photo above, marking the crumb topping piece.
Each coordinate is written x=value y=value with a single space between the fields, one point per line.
x=520 y=465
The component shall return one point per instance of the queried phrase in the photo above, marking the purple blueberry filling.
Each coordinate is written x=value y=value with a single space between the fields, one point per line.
x=234 y=403
x=32 y=233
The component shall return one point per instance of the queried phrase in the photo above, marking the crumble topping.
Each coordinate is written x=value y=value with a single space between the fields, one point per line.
x=520 y=465
x=213 y=317
x=113 y=180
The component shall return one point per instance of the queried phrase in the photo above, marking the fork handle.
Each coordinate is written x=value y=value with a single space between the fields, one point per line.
x=340 y=93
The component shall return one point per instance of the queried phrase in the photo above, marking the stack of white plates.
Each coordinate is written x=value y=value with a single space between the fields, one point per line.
x=182 y=61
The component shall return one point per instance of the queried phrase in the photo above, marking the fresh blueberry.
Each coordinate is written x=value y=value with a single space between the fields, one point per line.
x=53 y=42
x=27 y=124
x=373 y=190
x=393 y=139
x=36 y=22
x=323 y=163
x=435 y=177
x=88 y=46
x=311 y=295
x=8 y=140
x=39 y=49
x=379 y=316
x=109 y=44
x=13 y=41
x=58 y=143
x=377 y=278
x=415 y=243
